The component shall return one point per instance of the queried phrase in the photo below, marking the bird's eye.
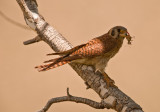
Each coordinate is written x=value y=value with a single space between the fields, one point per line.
x=119 y=30
x=113 y=33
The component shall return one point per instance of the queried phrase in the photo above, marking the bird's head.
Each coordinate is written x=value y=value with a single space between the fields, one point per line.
x=120 y=32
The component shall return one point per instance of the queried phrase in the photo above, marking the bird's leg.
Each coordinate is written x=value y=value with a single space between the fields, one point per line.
x=110 y=82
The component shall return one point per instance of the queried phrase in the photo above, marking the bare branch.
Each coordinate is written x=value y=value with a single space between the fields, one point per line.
x=31 y=41
x=111 y=97
x=75 y=99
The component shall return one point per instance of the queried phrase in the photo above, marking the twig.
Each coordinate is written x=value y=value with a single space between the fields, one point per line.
x=13 y=21
x=31 y=41
x=75 y=99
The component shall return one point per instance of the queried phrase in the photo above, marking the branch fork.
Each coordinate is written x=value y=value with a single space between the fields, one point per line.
x=75 y=99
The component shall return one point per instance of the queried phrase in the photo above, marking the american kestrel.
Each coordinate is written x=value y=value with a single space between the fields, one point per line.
x=97 y=52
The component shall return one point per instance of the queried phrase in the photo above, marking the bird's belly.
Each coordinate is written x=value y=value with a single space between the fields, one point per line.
x=98 y=62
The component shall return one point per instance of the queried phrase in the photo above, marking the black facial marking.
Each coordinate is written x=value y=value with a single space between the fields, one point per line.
x=113 y=33
x=119 y=30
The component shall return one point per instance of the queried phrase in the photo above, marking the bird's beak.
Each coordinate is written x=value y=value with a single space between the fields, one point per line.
x=128 y=37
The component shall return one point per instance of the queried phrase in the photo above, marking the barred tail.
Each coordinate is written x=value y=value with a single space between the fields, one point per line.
x=51 y=65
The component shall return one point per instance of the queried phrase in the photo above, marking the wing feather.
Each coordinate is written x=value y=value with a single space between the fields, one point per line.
x=95 y=47
x=68 y=51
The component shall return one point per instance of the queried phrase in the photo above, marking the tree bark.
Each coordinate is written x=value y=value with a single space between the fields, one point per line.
x=111 y=97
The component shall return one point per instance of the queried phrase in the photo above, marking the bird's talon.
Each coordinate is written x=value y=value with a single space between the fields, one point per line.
x=110 y=83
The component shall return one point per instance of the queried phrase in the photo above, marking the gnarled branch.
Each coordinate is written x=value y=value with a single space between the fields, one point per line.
x=111 y=97
x=71 y=98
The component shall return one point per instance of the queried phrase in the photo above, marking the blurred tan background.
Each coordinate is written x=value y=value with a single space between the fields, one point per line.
x=135 y=69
